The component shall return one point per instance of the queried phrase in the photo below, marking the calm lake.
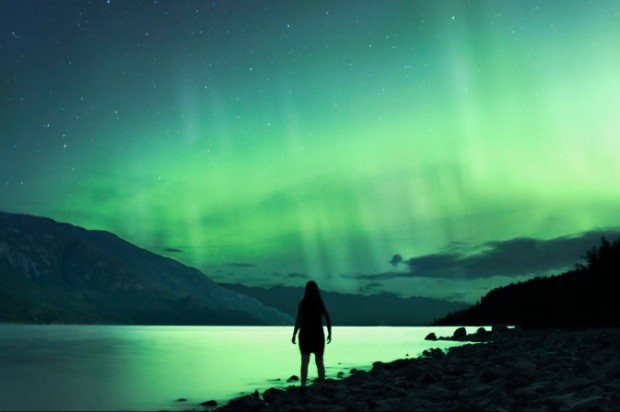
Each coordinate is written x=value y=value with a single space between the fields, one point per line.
x=68 y=367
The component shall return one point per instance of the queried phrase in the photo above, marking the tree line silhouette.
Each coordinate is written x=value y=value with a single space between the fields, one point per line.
x=586 y=296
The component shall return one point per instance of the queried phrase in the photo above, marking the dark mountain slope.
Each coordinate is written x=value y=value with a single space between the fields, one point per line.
x=56 y=272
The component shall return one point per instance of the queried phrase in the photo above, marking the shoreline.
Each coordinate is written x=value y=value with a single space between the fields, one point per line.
x=514 y=369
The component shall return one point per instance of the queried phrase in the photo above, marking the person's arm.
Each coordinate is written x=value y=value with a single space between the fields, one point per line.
x=329 y=325
x=296 y=329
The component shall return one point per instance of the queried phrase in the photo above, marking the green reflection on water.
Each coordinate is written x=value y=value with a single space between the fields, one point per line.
x=149 y=367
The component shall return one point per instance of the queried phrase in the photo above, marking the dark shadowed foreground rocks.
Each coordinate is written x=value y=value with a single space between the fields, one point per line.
x=547 y=370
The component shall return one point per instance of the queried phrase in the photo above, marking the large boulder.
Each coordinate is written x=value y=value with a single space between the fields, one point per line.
x=273 y=395
x=460 y=333
x=245 y=403
x=431 y=336
x=209 y=404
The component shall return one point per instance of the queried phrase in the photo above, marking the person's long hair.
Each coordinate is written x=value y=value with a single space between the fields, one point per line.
x=312 y=296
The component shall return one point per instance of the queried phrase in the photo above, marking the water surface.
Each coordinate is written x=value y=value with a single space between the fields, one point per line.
x=70 y=367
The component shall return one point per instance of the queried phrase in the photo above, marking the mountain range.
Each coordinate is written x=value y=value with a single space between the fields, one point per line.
x=384 y=309
x=54 y=272
x=59 y=273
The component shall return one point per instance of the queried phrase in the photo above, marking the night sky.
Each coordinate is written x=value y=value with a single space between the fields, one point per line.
x=270 y=142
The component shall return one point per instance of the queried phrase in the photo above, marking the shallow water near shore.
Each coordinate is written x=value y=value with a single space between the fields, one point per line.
x=71 y=367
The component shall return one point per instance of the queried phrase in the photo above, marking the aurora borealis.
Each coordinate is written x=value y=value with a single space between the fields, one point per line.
x=264 y=142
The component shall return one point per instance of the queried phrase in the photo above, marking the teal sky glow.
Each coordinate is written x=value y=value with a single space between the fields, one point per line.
x=267 y=142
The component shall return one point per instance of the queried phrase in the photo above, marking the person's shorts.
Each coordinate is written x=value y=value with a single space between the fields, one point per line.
x=312 y=343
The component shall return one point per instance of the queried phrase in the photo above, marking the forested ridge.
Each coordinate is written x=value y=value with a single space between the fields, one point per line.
x=585 y=296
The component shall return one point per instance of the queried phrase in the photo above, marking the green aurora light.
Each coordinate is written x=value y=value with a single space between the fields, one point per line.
x=318 y=138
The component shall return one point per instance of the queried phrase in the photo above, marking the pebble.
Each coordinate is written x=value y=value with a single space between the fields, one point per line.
x=513 y=370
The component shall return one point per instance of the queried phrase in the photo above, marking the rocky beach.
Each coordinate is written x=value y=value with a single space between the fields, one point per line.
x=502 y=370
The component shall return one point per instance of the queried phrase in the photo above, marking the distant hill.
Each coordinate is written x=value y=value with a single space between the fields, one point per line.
x=359 y=310
x=58 y=273
x=586 y=296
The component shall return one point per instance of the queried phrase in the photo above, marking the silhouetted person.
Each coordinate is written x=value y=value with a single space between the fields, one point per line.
x=309 y=323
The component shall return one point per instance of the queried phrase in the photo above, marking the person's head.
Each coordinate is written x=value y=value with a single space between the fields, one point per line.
x=312 y=292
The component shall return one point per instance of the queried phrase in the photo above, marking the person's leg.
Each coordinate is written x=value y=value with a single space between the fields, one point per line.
x=320 y=367
x=305 y=360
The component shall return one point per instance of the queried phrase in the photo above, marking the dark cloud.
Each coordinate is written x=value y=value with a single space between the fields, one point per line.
x=396 y=260
x=375 y=276
x=457 y=297
x=171 y=249
x=372 y=287
x=298 y=275
x=433 y=264
x=241 y=265
x=515 y=257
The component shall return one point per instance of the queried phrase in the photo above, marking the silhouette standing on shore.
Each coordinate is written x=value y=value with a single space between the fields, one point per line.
x=309 y=323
